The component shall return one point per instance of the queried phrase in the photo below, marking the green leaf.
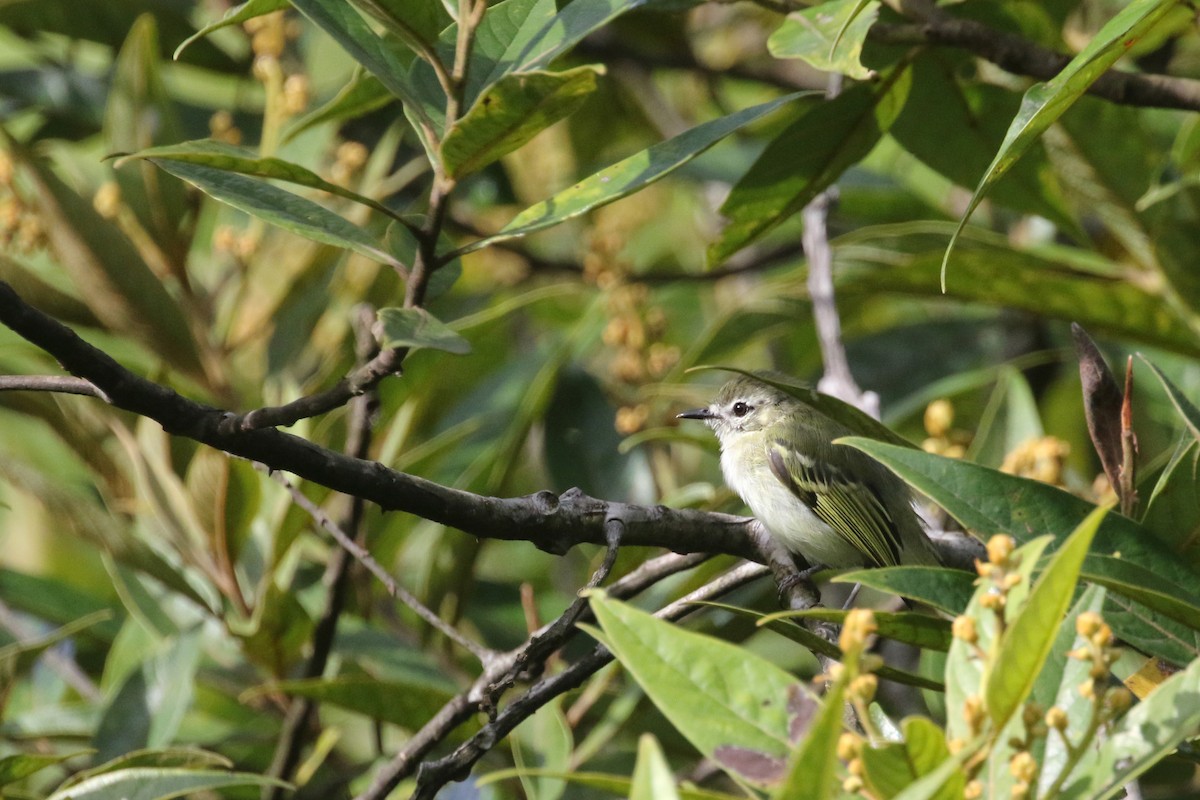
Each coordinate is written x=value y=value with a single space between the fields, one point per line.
x=806 y=157
x=19 y=656
x=987 y=502
x=511 y=112
x=620 y=785
x=828 y=36
x=408 y=704
x=157 y=783
x=416 y=327
x=628 y=175
x=417 y=23
x=234 y=16
x=1185 y=407
x=813 y=768
x=735 y=707
x=1045 y=102
x=339 y=19
x=891 y=768
x=1142 y=738
x=910 y=627
x=228 y=158
x=109 y=273
x=945 y=589
x=141 y=113
x=943 y=99
x=1027 y=640
x=1171 y=512
x=19 y=767
x=289 y=211
x=652 y=778
x=1053 y=282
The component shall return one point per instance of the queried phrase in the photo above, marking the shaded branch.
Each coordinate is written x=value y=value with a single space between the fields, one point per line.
x=1020 y=56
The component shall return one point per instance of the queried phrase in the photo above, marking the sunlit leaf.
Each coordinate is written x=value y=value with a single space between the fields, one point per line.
x=828 y=36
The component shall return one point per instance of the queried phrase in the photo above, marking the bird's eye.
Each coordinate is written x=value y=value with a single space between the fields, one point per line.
x=740 y=409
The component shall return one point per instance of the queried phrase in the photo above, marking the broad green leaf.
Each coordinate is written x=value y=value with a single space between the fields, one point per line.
x=905 y=260
x=910 y=627
x=271 y=204
x=813 y=767
x=1185 y=407
x=945 y=589
x=1149 y=732
x=339 y=19
x=234 y=16
x=735 y=707
x=1171 y=512
x=107 y=269
x=652 y=778
x=1045 y=102
x=1027 y=640
x=847 y=415
x=406 y=704
x=806 y=157
x=511 y=112
x=416 y=327
x=360 y=96
x=931 y=786
x=893 y=767
x=827 y=36
x=228 y=158
x=620 y=785
x=986 y=502
x=18 y=767
x=158 y=783
x=942 y=99
x=628 y=175
x=1140 y=584
x=140 y=113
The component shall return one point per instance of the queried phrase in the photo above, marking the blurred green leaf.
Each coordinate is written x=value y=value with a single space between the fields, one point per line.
x=234 y=16
x=620 y=785
x=289 y=211
x=407 y=704
x=415 y=328
x=19 y=656
x=158 y=783
x=1027 y=640
x=111 y=276
x=363 y=94
x=18 y=767
x=1046 y=102
x=828 y=36
x=652 y=778
x=733 y=706
x=511 y=112
x=628 y=175
x=417 y=23
x=1187 y=410
x=806 y=157
x=1171 y=511
x=812 y=770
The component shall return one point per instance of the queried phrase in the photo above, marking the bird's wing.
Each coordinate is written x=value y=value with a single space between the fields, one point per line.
x=847 y=506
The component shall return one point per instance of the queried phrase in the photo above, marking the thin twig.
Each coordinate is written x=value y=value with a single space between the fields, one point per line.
x=367 y=560
x=59 y=384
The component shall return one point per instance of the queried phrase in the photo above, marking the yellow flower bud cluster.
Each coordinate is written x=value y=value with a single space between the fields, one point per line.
x=1041 y=459
x=1109 y=702
x=637 y=354
x=1000 y=571
x=20 y=226
x=943 y=439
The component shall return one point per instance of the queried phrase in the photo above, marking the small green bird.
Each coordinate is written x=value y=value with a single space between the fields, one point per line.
x=835 y=506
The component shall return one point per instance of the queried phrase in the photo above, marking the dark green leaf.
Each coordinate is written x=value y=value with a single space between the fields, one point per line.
x=406 y=704
x=910 y=627
x=947 y=590
x=1172 y=513
x=806 y=157
x=1185 y=407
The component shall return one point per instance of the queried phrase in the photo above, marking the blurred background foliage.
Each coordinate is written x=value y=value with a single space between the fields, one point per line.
x=580 y=334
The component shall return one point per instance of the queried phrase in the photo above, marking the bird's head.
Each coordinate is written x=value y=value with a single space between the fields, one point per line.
x=742 y=406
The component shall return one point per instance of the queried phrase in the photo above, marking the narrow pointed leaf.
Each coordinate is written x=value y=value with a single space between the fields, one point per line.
x=511 y=112
x=158 y=783
x=1028 y=638
x=628 y=175
x=363 y=94
x=234 y=16
x=1045 y=102
x=18 y=767
x=652 y=778
x=919 y=630
x=284 y=209
x=948 y=590
x=415 y=328
x=1185 y=407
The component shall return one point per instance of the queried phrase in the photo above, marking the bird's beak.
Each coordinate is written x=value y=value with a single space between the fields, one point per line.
x=696 y=413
